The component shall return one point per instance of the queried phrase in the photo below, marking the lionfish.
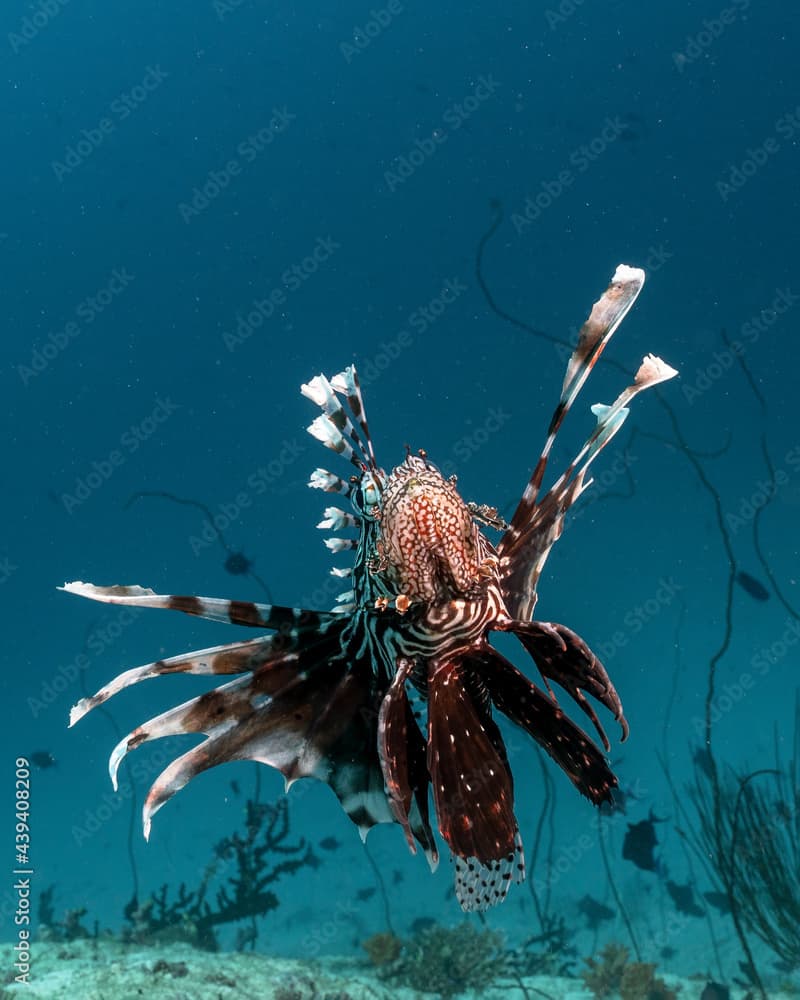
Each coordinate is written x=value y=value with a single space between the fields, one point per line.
x=392 y=693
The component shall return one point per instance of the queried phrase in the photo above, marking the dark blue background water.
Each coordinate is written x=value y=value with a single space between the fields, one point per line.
x=661 y=135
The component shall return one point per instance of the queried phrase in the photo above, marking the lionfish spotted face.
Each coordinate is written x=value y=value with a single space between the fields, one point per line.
x=337 y=695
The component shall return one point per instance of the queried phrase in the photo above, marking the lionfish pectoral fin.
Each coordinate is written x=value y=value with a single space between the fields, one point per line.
x=563 y=657
x=345 y=732
x=472 y=790
x=230 y=658
x=303 y=710
x=270 y=715
x=289 y=621
x=528 y=707
x=401 y=749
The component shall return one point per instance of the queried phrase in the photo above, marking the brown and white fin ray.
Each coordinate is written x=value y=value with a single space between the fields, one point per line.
x=254 y=615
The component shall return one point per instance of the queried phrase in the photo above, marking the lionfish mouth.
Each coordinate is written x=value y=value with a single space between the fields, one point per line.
x=393 y=709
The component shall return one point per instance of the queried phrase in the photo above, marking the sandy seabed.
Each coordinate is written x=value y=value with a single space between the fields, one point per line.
x=108 y=970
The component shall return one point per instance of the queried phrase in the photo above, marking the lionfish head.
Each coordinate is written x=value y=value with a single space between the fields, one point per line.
x=429 y=542
x=366 y=492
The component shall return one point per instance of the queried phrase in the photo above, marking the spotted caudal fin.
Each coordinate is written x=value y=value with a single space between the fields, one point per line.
x=530 y=708
x=537 y=524
x=472 y=787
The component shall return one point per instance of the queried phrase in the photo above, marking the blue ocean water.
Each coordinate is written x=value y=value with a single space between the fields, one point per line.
x=208 y=204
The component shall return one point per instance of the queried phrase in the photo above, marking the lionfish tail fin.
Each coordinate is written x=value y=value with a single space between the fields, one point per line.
x=480 y=886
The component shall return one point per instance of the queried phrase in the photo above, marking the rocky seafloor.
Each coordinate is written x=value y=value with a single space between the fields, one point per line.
x=105 y=969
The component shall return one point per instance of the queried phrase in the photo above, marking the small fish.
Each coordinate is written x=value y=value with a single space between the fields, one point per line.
x=640 y=842
x=330 y=844
x=364 y=894
x=701 y=759
x=397 y=877
x=235 y=787
x=783 y=812
x=634 y=127
x=718 y=900
x=42 y=759
x=753 y=587
x=715 y=991
x=683 y=898
x=595 y=912
x=238 y=564
x=620 y=798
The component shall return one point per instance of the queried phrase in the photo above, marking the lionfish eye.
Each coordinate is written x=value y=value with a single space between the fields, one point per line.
x=370 y=494
x=366 y=495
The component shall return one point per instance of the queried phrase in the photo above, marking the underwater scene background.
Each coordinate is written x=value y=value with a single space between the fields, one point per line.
x=208 y=204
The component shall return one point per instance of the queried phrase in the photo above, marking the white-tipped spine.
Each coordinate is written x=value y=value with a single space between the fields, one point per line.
x=625 y=274
x=336 y=519
x=340 y=544
x=324 y=430
x=652 y=371
x=324 y=480
x=319 y=391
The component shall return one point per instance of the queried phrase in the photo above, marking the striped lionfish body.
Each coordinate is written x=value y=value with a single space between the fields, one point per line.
x=391 y=696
